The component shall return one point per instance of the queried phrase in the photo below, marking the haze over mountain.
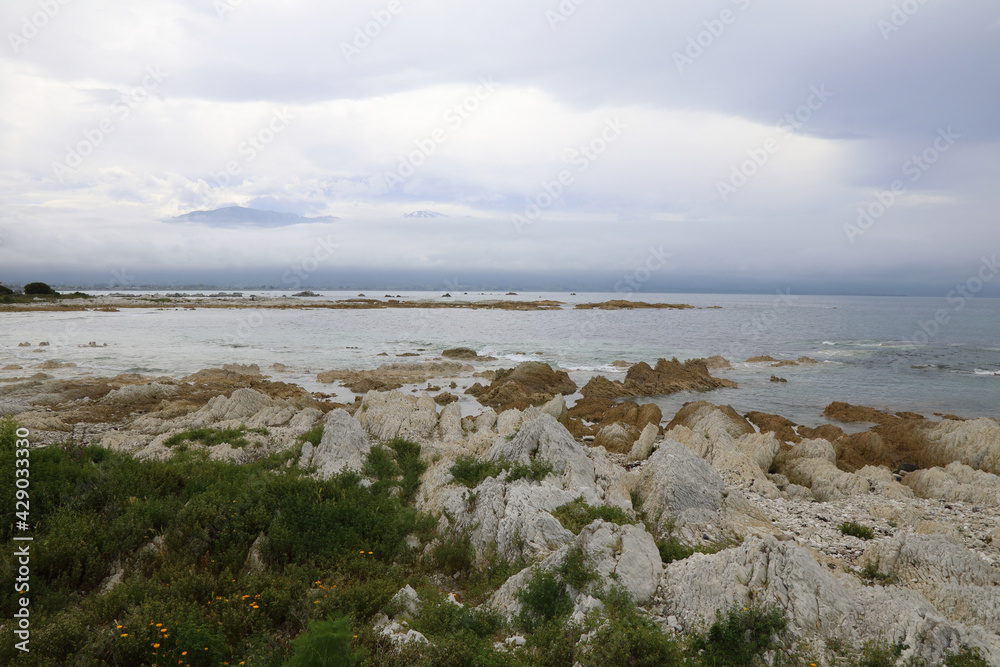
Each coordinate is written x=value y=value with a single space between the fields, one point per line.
x=240 y=216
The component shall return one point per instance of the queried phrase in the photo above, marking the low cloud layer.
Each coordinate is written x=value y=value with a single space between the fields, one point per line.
x=849 y=143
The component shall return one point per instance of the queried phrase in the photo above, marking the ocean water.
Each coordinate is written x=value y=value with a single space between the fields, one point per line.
x=885 y=352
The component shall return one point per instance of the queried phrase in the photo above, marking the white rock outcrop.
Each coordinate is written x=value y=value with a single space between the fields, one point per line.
x=344 y=446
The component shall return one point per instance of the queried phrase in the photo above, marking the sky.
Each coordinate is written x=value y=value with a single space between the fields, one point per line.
x=729 y=145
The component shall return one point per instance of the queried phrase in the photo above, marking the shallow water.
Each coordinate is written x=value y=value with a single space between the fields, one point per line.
x=872 y=350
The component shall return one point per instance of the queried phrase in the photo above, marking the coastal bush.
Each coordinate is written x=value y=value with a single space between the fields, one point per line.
x=966 y=657
x=453 y=554
x=879 y=653
x=210 y=437
x=552 y=644
x=535 y=471
x=491 y=573
x=544 y=599
x=438 y=616
x=325 y=644
x=629 y=638
x=470 y=471
x=856 y=530
x=8 y=434
x=38 y=289
x=672 y=549
x=396 y=464
x=576 y=515
x=410 y=465
x=574 y=569
x=6 y=290
x=871 y=574
x=313 y=435
x=741 y=636
x=181 y=534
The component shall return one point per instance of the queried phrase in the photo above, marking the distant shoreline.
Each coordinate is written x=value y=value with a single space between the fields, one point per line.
x=114 y=303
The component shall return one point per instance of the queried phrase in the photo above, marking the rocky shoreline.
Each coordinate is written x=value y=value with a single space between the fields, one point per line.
x=764 y=497
x=112 y=303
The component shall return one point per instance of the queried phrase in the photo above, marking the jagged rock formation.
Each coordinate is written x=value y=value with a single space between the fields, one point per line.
x=666 y=377
x=530 y=383
x=393 y=376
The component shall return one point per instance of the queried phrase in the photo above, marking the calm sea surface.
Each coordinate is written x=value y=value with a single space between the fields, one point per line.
x=886 y=352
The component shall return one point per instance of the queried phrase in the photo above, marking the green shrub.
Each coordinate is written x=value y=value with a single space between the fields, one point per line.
x=672 y=550
x=856 y=530
x=628 y=637
x=38 y=289
x=544 y=599
x=454 y=554
x=396 y=464
x=574 y=569
x=324 y=644
x=439 y=616
x=966 y=657
x=870 y=573
x=470 y=471
x=486 y=578
x=740 y=636
x=410 y=465
x=879 y=653
x=576 y=515
x=313 y=435
x=210 y=437
x=6 y=291
x=553 y=643
x=8 y=434
x=535 y=471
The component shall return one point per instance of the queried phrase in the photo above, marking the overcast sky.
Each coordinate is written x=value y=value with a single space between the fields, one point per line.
x=732 y=139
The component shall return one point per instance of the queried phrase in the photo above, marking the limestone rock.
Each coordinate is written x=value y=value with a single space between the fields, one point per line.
x=624 y=554
x=959 y=582
x=557 y=408
x=643 y=447
x=675 y=483
x=391 y=414
x=344 y=446
x=956 y=482
x=450 y=423
x=820 y=605
x=547 y=439
x=812 y=463
x=729 y=443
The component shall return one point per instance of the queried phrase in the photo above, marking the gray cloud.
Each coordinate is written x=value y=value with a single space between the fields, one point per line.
x=727 y=155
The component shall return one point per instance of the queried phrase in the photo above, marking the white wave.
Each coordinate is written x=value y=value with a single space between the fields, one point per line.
x=980 y=371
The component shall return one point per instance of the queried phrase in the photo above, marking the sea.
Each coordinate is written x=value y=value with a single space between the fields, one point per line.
x=931 y=356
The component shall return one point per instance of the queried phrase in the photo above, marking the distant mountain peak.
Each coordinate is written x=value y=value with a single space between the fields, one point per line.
x=424 y=214
x=241 y=216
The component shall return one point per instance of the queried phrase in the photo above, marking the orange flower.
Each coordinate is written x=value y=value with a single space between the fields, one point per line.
x=156 y=646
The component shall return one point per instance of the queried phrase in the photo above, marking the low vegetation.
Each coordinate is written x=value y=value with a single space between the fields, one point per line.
x=576 y=515
x=190 y=561
x=857 y=530
x=470 y=472
x=210 y=437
